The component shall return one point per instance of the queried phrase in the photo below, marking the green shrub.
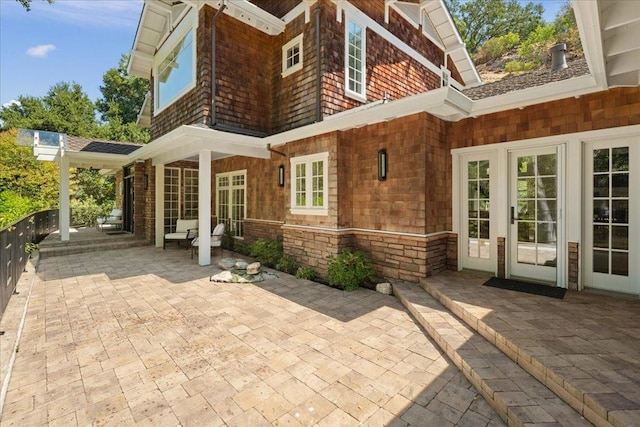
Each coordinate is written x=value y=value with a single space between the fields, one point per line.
x=536 y=47
x=87 y=211
x=228 y=239
x=288 y=264
x=496 y=47
x=517 y=66
x=306 y=273
x=268 y=252
x=349 y=270
x=242 y=248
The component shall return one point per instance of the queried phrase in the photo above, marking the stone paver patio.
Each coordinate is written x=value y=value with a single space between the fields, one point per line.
x=140 y=336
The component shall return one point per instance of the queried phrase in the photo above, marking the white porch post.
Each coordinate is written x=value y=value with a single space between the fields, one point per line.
x=65 y=220
x=204 y=208
x=159 y=205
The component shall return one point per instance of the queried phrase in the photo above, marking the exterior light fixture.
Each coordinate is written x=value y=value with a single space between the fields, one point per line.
x=382 y=164
x=281 y=176
x=145 y=181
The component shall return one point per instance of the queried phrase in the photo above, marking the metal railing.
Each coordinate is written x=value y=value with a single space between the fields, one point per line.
x=14 y=240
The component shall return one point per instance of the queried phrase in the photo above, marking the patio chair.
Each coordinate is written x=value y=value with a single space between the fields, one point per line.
x=216 y=239
x=186 y=230
x=114 y=218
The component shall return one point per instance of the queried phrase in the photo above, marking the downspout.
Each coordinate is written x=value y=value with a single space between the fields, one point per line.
x=318 y=66
x=212 y=114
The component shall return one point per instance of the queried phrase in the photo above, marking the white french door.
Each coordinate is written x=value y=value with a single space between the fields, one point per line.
x=478 y=205
x=612 y=230
x=535 y=202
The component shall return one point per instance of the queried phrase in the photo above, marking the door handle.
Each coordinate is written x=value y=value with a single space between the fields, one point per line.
x=513 y=215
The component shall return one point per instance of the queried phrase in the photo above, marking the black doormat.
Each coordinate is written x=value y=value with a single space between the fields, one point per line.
x=115 y=233
x=530 y=288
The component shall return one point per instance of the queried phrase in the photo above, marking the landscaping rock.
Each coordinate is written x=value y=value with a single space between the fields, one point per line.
x=227 y=263
x=384 y=288
x=241 y=265
x=254 y=268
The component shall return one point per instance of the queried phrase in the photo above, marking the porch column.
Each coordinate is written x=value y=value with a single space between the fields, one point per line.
x=204 y=208
x=65 y=220
x=159 y=205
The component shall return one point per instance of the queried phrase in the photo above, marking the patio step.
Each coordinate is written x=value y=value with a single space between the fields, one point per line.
x=597 y=406
x=99 y=245
x=518 y=397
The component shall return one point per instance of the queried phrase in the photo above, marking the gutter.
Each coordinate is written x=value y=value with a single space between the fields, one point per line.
x=212 y=113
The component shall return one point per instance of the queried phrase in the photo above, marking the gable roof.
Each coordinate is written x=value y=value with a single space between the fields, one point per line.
x=515 y=82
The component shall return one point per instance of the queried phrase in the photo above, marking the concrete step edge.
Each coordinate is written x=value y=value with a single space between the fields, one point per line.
x=562 y=387
x=509 y=413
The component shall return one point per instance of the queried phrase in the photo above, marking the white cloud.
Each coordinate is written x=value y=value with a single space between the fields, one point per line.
x=40 y=51
x=10 y=103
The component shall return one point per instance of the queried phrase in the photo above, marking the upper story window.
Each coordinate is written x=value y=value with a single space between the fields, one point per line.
x=309 y=184
x=292 y=56
x=175 y=70
x=355 y=66
x=446 y=76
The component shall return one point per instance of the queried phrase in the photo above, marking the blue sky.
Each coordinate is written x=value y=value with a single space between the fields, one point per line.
x=70 y=40
x=76 y=41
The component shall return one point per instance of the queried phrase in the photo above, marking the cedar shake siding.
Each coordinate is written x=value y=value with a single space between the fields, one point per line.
x=251 y=94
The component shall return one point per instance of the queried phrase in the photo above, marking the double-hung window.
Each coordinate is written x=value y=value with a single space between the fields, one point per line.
x=292 y=56
x=175 y=69
x=309 y=184
x=355 y=60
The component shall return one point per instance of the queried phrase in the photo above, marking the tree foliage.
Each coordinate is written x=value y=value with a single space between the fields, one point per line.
x=64 y=109
x=26 y=185
x=27 y=3
x=481 y=20
x=122 y=94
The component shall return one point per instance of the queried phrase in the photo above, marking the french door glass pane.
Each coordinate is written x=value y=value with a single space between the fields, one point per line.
x=478 y=195
x=611 y=211
x=537 y=210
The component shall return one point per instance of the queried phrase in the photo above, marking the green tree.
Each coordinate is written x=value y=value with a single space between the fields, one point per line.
x=27 y=3
x=481 y=20
x=122 y=94
x=64 y=109
x=26 y=185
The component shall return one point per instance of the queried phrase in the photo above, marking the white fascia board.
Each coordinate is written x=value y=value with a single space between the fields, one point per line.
x=135 y=40
x=371 y=24
x=188 y=140
x=302 y=7
x=536 y=95
x=96 y=160
x=250 y=14
x=588 y=20
x=425 y=102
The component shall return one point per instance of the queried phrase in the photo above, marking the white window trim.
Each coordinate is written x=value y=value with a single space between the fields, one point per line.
x=362 y=97
x=308 y=160
x=190 y=22
x=295 y=41
x=230 y=187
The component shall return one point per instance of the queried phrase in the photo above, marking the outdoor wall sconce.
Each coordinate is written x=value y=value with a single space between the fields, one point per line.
x=281 y=176
x=382 y=164
x=145 y=181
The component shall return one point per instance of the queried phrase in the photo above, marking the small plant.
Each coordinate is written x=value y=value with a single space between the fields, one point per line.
x=349 y=270
x=242 y=248
x=268 y=252
x=306 y=273
x=288 y=264
x=30 y=247
x=228 y=239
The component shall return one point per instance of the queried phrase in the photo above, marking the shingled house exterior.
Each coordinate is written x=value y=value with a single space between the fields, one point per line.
x=363 y=124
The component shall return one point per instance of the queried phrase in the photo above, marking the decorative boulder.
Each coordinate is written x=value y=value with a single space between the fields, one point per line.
x=384 y=288
x=241 y=265
x=227 y=263
x=254 y=268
